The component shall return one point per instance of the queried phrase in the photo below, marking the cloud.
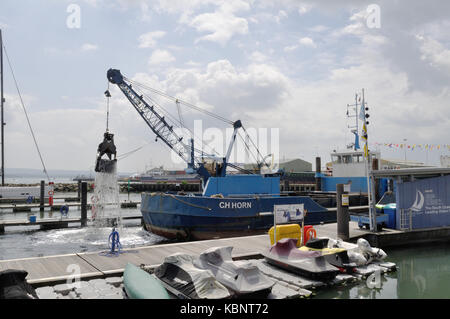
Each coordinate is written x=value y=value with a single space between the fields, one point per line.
x=89 y=47
x=290 y=48
x=435 y=53
x=161 y=57
x=308 y=42
x=303 y=9
x=148 y=40
x=222 y=24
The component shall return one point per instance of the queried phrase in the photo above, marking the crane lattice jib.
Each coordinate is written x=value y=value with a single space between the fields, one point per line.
x=154 y=120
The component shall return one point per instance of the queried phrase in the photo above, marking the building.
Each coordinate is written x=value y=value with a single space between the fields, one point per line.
x=445 y=161
x=295 y=166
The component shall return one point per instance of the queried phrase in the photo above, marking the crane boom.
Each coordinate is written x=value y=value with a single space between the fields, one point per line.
x=164 y=131
x=154 y=120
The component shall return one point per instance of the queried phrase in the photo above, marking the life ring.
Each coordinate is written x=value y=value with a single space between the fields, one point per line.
x=310 y=233
x=64 y=210
x=50 y=193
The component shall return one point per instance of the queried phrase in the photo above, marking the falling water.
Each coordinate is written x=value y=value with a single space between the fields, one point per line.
x=105 y=201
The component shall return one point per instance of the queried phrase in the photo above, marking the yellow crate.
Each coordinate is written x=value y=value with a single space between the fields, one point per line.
x=286 y=231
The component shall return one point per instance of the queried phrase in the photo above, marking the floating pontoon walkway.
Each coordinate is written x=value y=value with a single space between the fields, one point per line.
x=57 y=269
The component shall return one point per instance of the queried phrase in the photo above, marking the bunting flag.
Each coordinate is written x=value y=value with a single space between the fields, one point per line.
x=415 y=147
x=364 y=132
x=356 y=140
x=362 y=113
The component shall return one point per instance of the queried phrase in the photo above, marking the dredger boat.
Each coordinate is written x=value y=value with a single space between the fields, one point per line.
x=230 y=204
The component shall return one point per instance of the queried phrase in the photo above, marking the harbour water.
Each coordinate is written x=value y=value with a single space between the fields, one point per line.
x=24 y=242
x=423 y=270
x=423 y=273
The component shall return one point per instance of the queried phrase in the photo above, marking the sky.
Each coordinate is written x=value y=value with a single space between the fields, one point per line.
x=287 y=67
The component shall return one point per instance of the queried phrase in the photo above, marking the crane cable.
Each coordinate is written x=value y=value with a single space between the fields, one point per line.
x=218 y=117
x=108 y=95
x=177 y=101
x=178 y=123
x=25 y=111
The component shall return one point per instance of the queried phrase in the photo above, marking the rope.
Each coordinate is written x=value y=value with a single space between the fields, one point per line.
x=108 y=95
x=184 y=202
x=25 y=111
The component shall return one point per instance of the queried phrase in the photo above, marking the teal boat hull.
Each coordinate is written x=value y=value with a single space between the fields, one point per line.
x=139 y=284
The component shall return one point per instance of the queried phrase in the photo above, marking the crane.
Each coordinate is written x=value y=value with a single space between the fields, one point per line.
x=165 y=131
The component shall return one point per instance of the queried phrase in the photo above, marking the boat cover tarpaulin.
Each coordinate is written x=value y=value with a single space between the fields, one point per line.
x=13 y=285
x=241 y=277
x=179 y=272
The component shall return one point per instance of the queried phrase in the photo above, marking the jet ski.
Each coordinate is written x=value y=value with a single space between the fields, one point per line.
x=309 y=264
x=360 y=253
x=336 y=256
x=242 y=278
x=13 y=285
x=107 y=147
x=180 y=277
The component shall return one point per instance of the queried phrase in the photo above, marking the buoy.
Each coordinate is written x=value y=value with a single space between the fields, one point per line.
x=64 y=210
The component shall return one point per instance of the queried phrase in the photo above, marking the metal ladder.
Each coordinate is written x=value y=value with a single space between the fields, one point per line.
x=405 y=219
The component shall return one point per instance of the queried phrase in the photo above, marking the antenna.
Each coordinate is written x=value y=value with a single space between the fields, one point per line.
x=2 y=100
x=352 y=111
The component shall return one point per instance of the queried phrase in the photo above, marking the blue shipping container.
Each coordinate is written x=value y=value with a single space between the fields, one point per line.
x=427 y=200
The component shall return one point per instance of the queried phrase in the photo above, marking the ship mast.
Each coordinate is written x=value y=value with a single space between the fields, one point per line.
x=2 y=100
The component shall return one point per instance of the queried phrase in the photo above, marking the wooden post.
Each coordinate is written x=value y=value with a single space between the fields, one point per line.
x=318 y=171
x=42 y=197
x=79 y=190
x=286 y=185
x=343 y=216
x=83 y=204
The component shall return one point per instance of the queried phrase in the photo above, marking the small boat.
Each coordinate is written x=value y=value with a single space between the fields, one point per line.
x=309 y=264
x=139 y=284
x=337 y=257
x=180 y=277
x=242 y=278
x=360 y=253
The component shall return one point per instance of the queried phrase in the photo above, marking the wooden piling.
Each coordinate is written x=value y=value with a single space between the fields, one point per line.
x=342 y=215
x=83 y=204
x=318 y=171
x=79 y=190
x=42 y=197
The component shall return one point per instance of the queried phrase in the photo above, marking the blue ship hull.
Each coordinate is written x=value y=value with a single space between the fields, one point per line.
x=204 y=217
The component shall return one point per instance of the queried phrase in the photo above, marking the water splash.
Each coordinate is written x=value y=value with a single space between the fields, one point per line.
x=105 y=201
